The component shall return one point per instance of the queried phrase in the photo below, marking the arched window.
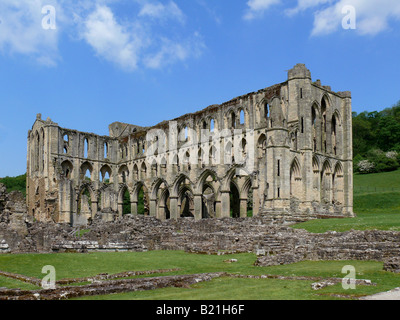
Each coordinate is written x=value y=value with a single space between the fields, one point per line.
x=105 y=173
x=323 y=112
x=135 y=172
x=186 y=161
x=314 y=129
x=334 y=135
x=266 y=110
x=295 y=180
x=233 y=120
x=154 y=169
x=200 y=157
x=88 y=175
x=229 y=158
x=66 y=143
x=37 y=151
x=123 y=173
x=243 y=149
x=105 y=150
x=144 y=170
x=86 y=171
x=213 y=156
x=242 y=120
x=86 y=148
x=67 y=168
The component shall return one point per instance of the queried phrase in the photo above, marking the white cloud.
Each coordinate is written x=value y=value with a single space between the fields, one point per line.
x=172 y=52
x=111 y=40
x=306 y=4
x=158 y=10
x=257 y=7
x=21 y=31
x=132 y=45
x=128 y=43
x=372 y=17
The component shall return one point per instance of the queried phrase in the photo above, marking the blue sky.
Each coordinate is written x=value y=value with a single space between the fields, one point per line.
x=143 y=62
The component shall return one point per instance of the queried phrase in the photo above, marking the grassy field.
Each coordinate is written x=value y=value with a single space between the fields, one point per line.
x=80 y=265
x=376 y=204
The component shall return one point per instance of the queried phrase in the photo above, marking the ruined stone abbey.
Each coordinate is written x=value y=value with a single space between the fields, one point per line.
x=286 y=148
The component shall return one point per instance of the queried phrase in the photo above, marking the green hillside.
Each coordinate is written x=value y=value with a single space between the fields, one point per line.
x=376 y=204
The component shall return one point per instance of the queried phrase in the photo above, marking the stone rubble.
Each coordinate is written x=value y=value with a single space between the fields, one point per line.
x=273 y=243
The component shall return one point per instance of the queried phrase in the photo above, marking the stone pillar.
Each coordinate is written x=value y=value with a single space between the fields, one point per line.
x=160 y=213
x=256 y=200
x=153 y=207
x=198 y=206
x=120 y=209
x=174 y=208
x=243 y=208
x=225 y=204
x=95 y=205
x=308 y=179
x=134 y=207
x=218 y=209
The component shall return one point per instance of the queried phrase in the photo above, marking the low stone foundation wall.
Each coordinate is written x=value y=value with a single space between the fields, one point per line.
x=274 y=243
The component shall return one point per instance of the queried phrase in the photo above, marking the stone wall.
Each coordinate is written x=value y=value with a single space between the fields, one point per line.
x=267 y=148
x=274 y=243
x=268 y=235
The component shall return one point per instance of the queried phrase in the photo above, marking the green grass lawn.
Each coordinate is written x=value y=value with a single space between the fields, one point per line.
x=274 y=289
x=79 y=265
x=376 y=204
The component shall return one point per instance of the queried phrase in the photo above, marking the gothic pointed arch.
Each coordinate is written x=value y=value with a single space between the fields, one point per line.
x=181 y=178
x=295 y=179
x=326 y=183
x=105 y=174
x=203 y=177
x=67 y=169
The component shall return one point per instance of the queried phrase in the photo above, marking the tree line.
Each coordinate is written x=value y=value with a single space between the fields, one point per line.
x=376 y=140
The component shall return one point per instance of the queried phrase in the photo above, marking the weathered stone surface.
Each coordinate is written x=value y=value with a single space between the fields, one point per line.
x=285 y=150
x=392 y=264
x=275 y=244
x=270 y=239
x=107 y=287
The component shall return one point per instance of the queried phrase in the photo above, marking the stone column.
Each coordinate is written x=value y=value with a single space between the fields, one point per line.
x=95 y=205
x=174 y=207
x=120 y=209
x=243 y=208
x=153 y=207
x=225 y=204
x=218 y=209
x=198 y=203
x=160 y=213
x=134 y=207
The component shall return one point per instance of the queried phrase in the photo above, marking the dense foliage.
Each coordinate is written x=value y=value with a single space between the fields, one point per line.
x=376 y=140
x=15 y=183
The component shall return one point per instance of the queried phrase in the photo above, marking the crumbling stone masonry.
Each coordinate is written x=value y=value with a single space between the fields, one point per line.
x=285 y=149
x=273 y=241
